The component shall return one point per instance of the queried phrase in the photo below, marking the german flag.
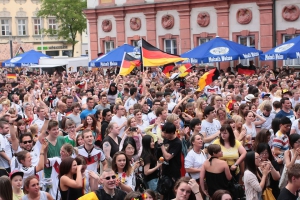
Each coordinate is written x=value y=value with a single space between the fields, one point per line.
x=246 y=72
x=167 y=68
x=229 y=105
x=185 y=69
x=128 y=64
x=206 y=79
x=11 y=76
x=154 y=57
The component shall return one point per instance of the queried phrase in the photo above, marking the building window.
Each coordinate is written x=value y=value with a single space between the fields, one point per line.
x=5 y=28
x=135 y=43
x=248 y=41
x=37 y=26
x=290 y=62
x=108 y=46
x=21 y=26
x=203 y=40
x=52 y=24
x=170 y=46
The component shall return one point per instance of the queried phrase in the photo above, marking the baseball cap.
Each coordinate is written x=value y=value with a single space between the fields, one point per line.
x=263 y=95
x=15 y=173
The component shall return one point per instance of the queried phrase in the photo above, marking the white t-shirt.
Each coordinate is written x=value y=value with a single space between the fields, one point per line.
x=171 y=105
x=267 y=124
x=208 y=90
x=210 y=128
x=194 y=160
x=39 y=123
x=92 y=158
x=120 y=122
x=5 y=146
x=54 y=163
x=143 y=126
x=151 y=116
x=129 y=102
x=295 y=126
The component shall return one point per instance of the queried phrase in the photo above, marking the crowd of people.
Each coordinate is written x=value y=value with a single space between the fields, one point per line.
x=99 y=135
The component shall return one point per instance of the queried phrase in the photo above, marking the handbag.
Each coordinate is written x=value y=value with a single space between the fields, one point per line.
x=268 y=195
x=237 y=190
x=164 y=185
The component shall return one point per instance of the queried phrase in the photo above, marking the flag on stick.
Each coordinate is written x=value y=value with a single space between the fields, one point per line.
x=11 y=76
x=185 y=69
x=206 y=79
x=167 y=68
x=128 y=64
x=154 y=57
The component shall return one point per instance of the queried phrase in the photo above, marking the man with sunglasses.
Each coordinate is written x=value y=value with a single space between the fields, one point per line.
x=109 y=190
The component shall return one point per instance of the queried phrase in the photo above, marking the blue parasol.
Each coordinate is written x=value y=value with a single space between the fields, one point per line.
x=112 y=58
x=26 y=59
x=218 y=50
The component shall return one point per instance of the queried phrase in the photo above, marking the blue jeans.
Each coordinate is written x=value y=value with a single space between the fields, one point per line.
x=153 y=184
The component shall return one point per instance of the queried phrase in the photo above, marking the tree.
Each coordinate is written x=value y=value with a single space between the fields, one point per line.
x=69 y=17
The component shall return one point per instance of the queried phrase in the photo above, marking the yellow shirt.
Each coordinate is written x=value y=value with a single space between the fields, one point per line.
x=230 y=155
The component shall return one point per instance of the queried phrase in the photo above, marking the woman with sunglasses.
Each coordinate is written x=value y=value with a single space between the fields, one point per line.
x=70 y=179
x=124 y=172
x=264 y=151
x=254 y=187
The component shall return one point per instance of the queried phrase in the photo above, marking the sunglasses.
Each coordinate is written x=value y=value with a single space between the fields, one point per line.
x=29 y=141
x=112 y=177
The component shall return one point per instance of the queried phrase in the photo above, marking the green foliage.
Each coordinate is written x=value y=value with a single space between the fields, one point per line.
x=69 y=18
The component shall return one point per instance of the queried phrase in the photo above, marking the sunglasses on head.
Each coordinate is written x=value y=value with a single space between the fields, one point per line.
x=112 y=177
x=29 y=141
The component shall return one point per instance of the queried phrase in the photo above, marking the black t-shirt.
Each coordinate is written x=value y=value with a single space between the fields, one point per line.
x=102 y=195
x=285 y=194
x=152 y=160
x=113 y=144
x=172 y=169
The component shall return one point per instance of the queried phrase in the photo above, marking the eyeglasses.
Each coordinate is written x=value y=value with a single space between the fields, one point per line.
x=72 y=127
x=29 y=141
x=265 y=153
x=112 y=177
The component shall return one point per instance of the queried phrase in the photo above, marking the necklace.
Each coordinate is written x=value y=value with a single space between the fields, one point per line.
x=123 y=178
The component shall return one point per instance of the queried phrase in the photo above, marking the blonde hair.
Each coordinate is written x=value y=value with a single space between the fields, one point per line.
x=34 y=129
x=6 y=102
x=278 y=93
x=237 y=118
x=262 y=105
x=172 y=117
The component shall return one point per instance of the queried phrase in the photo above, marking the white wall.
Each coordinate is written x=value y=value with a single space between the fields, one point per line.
x=196 y=29
x=281 y=24
x=120 y=2
x=101 y=33
x=162 y=31
x=149 y=1
x=92 y=3
x=234 y=26
x=131 y=33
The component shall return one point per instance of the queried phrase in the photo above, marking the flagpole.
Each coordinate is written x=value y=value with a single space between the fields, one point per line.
x=142 y=64
x=122 y=62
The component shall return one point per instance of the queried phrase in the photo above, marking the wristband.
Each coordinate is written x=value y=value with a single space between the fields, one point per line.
x=46 y=118
x=197 y=192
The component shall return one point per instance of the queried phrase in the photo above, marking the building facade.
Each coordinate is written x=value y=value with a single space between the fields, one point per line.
x=19 y=23
x=177 y=26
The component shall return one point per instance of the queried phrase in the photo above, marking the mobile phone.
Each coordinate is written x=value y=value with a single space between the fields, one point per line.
x=133 y=129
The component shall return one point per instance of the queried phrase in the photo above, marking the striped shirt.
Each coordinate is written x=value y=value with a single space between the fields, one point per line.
x=281 y=141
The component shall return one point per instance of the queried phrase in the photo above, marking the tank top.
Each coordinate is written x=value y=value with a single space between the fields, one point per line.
x=43 y=196
x=251 y=131
x=71 y=193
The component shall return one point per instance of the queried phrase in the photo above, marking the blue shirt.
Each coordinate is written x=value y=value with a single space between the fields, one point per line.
x=87 y=112
x=289 y=115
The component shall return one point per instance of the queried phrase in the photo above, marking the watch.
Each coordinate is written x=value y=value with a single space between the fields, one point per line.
x=235 y=164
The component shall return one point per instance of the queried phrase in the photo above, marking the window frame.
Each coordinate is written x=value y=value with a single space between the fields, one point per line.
x=112 y=46
x=7 y=32
x=289 y=61
x=52 y=24
x=39 y=25
x=172 y=47
x=246 y=62
x=22 y=28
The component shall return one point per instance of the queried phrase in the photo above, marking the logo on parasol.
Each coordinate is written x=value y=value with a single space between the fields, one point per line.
x=284 y=47
x=219 y=51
